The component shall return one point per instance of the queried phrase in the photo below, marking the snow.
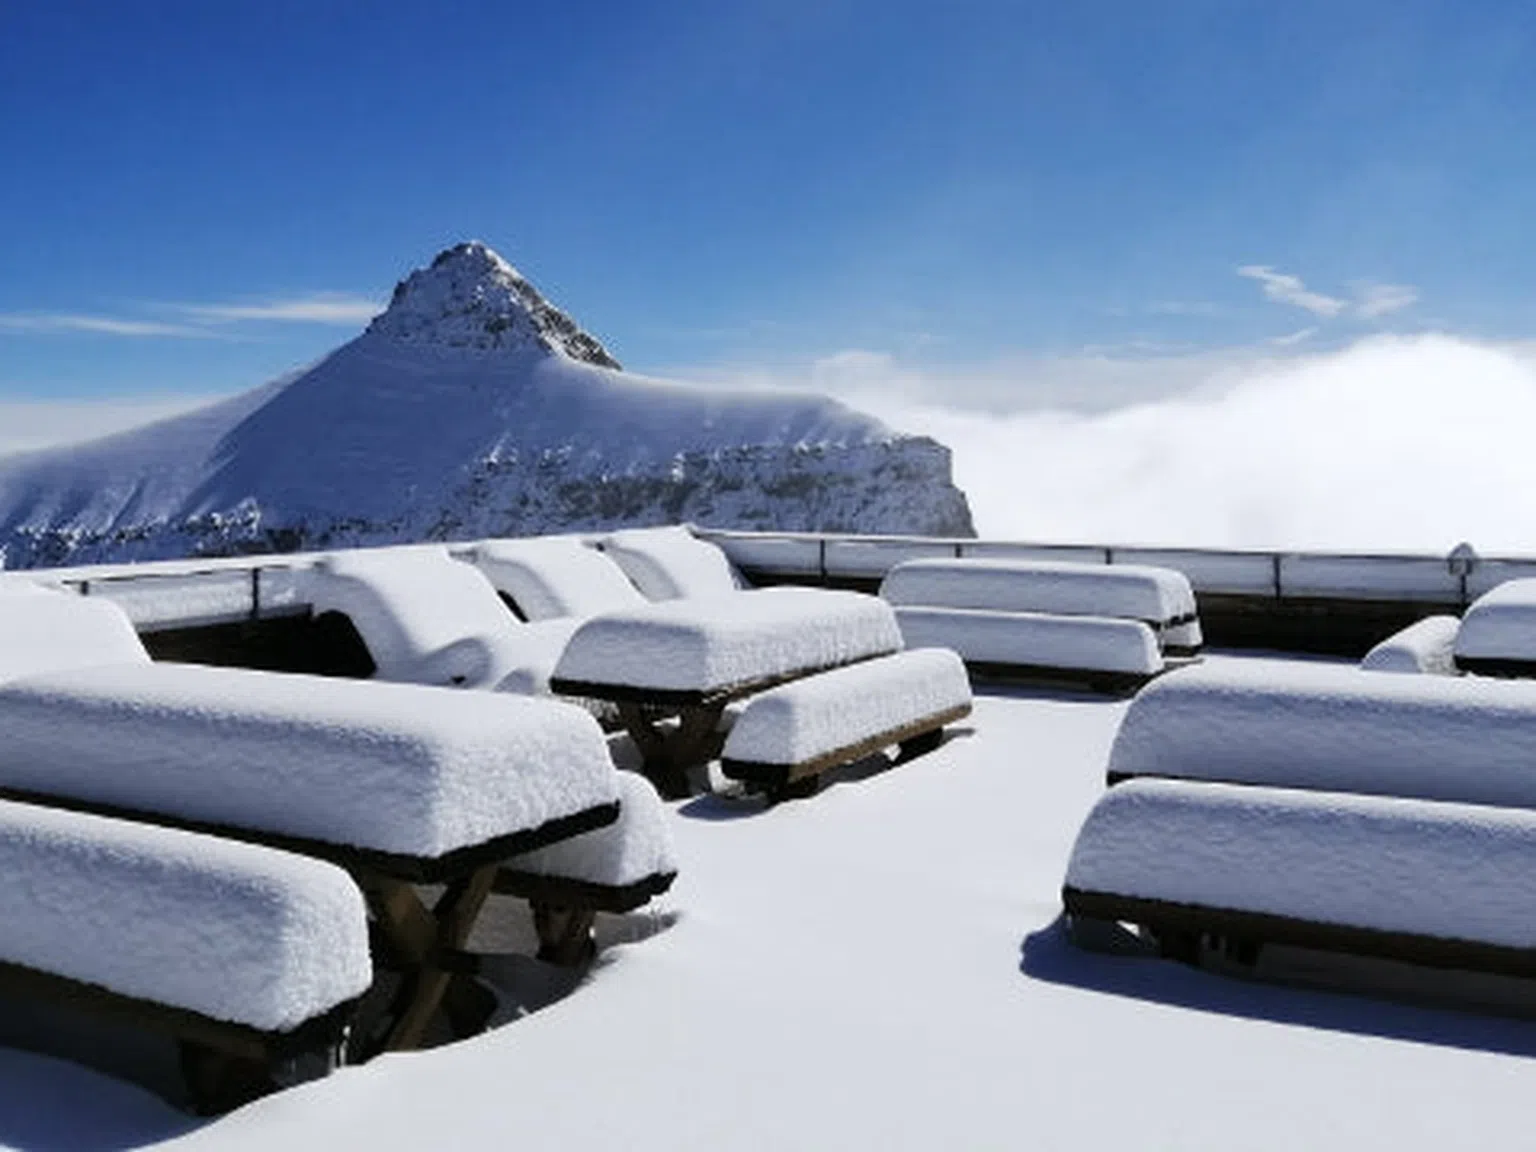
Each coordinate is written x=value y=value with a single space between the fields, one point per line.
x=1453 y=871
x=554 y=576
x=1337 y=729
x=1128 y=591
x=1029 y=639
x=672 y=563
x=1500 y=624
x=44 y=630
x=538 y=649
x=720 y=642
x=637 y=847
x=888 y=959
x=425 y=617
x=1424 y=646
x=390 y=767
x=233 y=931
x=799 y=721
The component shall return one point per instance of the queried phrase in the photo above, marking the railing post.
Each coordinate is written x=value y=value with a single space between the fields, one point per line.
x=1274 y=562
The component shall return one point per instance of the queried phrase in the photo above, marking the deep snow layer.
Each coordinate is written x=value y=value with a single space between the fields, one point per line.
x=388 y=767
x=879 y=968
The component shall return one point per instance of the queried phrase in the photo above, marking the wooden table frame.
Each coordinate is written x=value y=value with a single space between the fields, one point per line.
x=422 y=946
x=671 y=752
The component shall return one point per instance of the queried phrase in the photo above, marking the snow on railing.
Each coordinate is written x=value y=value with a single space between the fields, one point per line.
x=198 y=592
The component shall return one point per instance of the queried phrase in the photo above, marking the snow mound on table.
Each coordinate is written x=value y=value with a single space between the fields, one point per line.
x=1128 y=591
x=724 y=641
x=1336 y=729
x=1033 y=640
x=1452 y=871
x=1423 y=647
x=637 y=847
x=389 y=767
x=1500 y=624
x=808 y=718
x=425 y=617
x=42 y=630
x=672 y=563
x=549 y=577
x=233 y=931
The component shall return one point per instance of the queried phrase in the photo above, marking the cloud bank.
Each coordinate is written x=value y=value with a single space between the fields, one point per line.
x=29 y=424
x=1412 y=443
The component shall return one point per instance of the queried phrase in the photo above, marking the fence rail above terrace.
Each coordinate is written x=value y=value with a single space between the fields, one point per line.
x=1297 y=599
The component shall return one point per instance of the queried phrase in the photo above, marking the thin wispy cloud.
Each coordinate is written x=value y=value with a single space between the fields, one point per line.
x=316 y=308
x=1369 y=300
x=1291 y=339
x=1284 y=288
x=1375 y=300
x=66 y=323
x=198 y=321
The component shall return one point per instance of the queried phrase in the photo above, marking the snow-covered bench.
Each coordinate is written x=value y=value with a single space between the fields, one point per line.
x=786 y=737
x=555 y=577
x=250 y=957
x=1426 y=646
x=1336 y=729
x=690 y=658
x=1109 y=655
x=672 y=563
x=427 y=618
x=1159 y=597
x=397 y=783
x=1497 y=636
x=1196 y=865
x=613 y=869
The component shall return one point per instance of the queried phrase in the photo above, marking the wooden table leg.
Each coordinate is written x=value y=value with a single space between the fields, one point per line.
x=415 y=939
x=671 y=753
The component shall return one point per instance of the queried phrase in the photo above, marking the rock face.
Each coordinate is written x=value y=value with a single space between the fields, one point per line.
x=471 y=407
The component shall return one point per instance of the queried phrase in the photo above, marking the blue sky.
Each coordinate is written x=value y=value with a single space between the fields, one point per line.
x=196 y=197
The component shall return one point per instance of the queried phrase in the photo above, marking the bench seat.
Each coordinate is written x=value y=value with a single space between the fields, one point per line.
x=251 y=953
x=1109 y=653
x=1497 y=636
x=806 y=727
x=1162 y=598
x=1425 y=882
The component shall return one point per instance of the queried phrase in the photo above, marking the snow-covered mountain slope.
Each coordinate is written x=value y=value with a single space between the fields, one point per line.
x=471 y=407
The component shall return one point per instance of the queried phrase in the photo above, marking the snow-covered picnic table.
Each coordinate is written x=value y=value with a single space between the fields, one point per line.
x=690 y=658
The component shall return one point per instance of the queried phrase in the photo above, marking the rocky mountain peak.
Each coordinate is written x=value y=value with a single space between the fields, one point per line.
x=469 y=297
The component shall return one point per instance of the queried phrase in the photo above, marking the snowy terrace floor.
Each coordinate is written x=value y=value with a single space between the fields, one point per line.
x=880 y=967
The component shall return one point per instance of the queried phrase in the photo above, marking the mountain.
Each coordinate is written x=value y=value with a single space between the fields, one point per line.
x=470 y=407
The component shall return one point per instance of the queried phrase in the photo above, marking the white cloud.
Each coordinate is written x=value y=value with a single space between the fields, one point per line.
x=60 y=323
x=1291 y=339
x=1390 y=443
x=316 y=308
x=1284 y=288
x=30 y=424
x=1373 y=300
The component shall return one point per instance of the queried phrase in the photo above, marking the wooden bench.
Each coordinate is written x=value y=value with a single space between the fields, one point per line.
x=787 y=737
x=1497 y=636
x=613 y=869
x=1103 y=654
x=253 y=959
x=1204 y=869
x=1161 y=598
x=1335 y=728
